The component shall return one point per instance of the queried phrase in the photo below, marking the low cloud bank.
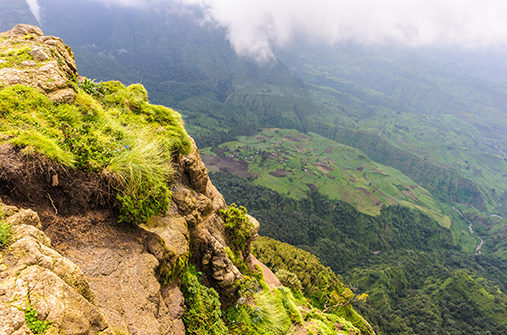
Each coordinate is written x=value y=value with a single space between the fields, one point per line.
x=256 y=26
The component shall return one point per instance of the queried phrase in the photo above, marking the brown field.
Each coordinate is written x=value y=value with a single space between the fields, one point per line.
x=238 y=168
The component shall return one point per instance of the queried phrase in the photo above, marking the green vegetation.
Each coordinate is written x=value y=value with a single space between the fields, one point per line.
x=238 y=226
x=409 y=265
x=203 y=314
x=292 y=163
x=5 y=230
x=15 y=55
x=115 y=132
x=35 y=325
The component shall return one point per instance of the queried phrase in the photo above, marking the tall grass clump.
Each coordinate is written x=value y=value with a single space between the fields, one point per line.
x=110 y=130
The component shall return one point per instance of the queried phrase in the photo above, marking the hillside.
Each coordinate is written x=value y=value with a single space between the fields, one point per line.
x=431 y=254
x=415 y=271
x=109 y=223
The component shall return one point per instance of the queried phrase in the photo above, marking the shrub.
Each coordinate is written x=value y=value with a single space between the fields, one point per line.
x=289 y=279
x=203 y=314
x=238 y=226
x=5 y=234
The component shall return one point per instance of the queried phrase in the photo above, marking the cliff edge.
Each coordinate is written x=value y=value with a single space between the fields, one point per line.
x=71 y=260
x=109 y=223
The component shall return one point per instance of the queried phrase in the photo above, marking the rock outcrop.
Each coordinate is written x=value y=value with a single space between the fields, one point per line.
x=82 y=270
x=49 y=70
x=33 y=275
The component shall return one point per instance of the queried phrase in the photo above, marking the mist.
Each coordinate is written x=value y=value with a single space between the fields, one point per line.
x=254 y=28
x=34 y=8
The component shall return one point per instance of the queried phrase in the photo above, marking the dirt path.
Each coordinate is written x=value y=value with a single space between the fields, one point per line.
x=269 y=276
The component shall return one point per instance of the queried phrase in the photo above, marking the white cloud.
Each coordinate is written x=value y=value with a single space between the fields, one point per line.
x=34 y=8
x=256 y=26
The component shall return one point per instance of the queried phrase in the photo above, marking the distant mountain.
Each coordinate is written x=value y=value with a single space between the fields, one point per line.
x=14 y=12
x=184 y=65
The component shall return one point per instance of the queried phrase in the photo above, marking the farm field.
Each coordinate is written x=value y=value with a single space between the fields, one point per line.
x=292 y=164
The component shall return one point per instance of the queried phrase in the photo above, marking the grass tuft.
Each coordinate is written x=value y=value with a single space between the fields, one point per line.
x=109 y=129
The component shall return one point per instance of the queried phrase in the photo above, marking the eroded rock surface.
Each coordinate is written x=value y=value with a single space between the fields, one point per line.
x=33 y=274
x=50 y=67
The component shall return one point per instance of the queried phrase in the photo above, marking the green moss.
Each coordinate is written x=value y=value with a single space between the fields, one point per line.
x=5 y=230
x=238 y=226
x=14 y=56
x=36 y=326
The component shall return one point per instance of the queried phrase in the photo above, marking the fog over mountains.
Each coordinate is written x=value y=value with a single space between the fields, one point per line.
x=256 y=27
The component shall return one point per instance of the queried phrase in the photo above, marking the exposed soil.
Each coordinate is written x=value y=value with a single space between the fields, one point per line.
x=323 y=167
x=365 y=191
x=312 y=187
x=36 y=182
x=376 y=189
x=79 y=216
x=329 y=150
x=410 y=194
x=291 y=138
x=278 y=173
x=269 y=277
x=227 y=164
x=380 y=171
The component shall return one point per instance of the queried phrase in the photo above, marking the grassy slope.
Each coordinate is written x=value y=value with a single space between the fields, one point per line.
x=429 y=112
x=409 y=285
x=109 y=129
x=339 y=171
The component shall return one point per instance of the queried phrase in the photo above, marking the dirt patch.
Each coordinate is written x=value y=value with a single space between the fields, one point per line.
x=312 y=187
x=220 y=152
x=269 y=277
x=330 y=176
x=323 y=167
x=366 y=192
x=329 y=150
x=413 y=187
x=360 y=169
x=410 y=194
x=262 y=137
x=291 y=138
x=376 y=189
x=302 y=137
x=352 y=180
x=227 y=164
x=380 y=171
x=36 y=182
x=279 y=173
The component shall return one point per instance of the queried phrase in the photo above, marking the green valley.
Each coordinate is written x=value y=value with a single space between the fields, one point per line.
x=293 y=163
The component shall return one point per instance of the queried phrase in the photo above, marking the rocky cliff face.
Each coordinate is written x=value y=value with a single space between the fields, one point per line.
x=70 y=259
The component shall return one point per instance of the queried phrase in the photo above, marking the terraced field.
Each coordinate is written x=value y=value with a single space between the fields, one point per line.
x=292 y=163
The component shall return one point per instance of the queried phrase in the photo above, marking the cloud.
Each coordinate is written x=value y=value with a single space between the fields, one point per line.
x=255 y=27
x=34 y=8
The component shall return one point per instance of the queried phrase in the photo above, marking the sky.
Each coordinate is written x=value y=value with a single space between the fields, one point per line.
x=255 y=27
